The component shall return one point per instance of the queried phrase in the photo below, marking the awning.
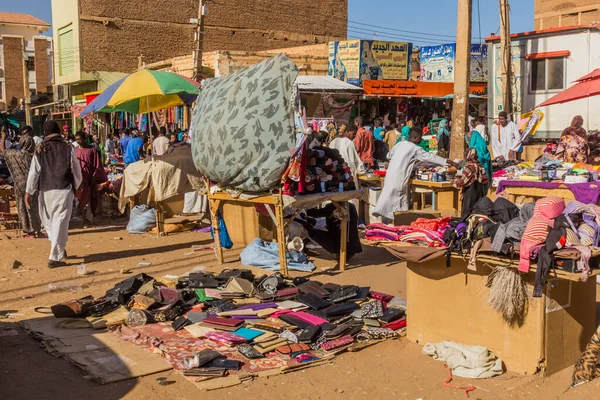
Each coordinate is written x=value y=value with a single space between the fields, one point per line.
x=389 y=88
x=318 y=84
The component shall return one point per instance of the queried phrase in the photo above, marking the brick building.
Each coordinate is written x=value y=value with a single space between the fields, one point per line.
x=99 y=41
x=25 y=59
x=560 y=13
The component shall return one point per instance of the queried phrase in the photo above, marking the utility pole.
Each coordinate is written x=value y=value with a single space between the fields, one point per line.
x=506 y=57
x=199 y=40
x=462 y=68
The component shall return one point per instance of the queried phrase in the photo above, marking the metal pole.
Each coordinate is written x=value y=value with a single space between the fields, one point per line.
x=506 y=54
x=462 y=75
x=199 y=41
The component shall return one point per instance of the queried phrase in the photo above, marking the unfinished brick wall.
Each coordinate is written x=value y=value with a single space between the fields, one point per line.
x=42 y=80
x=557 y=13
x=160 y=29
x=13 y=67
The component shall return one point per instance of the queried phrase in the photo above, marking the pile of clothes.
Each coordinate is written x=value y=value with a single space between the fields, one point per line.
x=260 y=317
x=317 y=170
x=423 y=232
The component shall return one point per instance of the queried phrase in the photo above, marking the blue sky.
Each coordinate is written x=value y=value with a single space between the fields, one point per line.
x=428 y=21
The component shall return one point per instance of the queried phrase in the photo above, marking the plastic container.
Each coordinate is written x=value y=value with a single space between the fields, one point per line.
x=136 y=318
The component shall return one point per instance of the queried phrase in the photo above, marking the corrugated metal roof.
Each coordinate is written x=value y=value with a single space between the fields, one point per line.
x=21 y=19
x=324 y=83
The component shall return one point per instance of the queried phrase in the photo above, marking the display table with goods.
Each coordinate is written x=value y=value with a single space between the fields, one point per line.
x=266 y=161
x=218 y=330
x=519 y=281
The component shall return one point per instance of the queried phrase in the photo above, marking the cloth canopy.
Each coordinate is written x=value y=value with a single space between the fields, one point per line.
x=167 y=176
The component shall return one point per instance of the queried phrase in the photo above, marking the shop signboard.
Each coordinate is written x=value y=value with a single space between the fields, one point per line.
x=437 y=63
x=355 y=61
x=517 y=81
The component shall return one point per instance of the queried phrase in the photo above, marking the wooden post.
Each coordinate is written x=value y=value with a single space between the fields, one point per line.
x=343 y=209
x=506 y=57
x=462 y=68
x=281 y=236
x=214 y=210
x=199 y=41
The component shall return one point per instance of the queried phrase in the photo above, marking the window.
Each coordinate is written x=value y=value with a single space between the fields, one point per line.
x=1 y=90
x=547 y=74
x=30 y=63
x=66 y=51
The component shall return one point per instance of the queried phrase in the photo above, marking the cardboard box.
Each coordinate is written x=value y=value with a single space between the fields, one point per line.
x=451 y=304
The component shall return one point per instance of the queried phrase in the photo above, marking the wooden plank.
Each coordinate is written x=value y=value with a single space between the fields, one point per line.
x=281 y=239
x=343 y=209
x=214 y=209
x=258 y=200
x=430 y=184
x=539 y=192
x=180 y=219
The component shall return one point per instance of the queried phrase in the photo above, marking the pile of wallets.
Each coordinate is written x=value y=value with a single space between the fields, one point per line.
x=301 y=318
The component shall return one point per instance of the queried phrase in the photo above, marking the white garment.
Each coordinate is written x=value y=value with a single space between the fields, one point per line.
x=160 y=145
x=394 y=196
x=509 y=139
x=55 y=206
x=348 y=152
x=109 y=146
x=37 y=140
x=482 y=131
x=466 y=361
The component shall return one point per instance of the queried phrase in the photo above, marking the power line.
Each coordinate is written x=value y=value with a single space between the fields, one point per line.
x=402 y=31
x=356 y=31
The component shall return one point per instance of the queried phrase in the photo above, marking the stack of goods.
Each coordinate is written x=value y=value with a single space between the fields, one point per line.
x=422 y=232
x=208 y=324
x=317 y=170
x=427 y=172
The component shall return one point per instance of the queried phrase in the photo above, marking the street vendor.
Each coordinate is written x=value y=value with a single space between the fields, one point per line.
x=403 y=157
x=506 y=139
x=573 y=146
x=473 y=182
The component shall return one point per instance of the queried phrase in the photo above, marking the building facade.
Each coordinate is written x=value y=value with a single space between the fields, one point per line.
x=99 y=41
x=25 y=60
x=561 y=13
x=545 y=63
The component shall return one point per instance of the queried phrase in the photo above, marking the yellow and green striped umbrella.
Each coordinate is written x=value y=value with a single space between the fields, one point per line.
x=145 y=91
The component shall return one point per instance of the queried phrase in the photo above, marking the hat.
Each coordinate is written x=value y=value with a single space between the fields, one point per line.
x=65 y=127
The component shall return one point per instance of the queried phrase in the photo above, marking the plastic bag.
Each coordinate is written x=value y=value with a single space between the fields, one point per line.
x=141 y=220
x=224 y=238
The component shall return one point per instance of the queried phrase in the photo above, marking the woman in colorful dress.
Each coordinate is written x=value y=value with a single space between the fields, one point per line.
x=573 y=146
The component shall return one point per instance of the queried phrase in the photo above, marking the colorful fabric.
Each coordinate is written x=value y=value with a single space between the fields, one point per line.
x=472 y=171
x=378 y=133
x=483 y=154
x=226 y=338
x=430 y=224
x=537 y=229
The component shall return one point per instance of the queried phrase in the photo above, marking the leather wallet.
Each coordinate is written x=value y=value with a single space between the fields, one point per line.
x=292 y=348
x=309 y=334
x=195 y=317
x=344 y=293
x=373 y=309
x=219 y=327
x=371 y=322
x=337 y=332
x=340 y=309
x=265 y=326
x=169 y=296
x=287 y=292
x=295 y=321
x=313 y=301
x=224 y=321
x=337 y=343
x=224 y=363
x=248 y=352
x=331 y=287
x=397 y=324
x=363 y=293
x=267 y=347
x=314 y=288
x=392 y=314
x=381 y=296
x=180 y=323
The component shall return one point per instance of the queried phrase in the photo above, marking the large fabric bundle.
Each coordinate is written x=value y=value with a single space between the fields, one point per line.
x=243 y=125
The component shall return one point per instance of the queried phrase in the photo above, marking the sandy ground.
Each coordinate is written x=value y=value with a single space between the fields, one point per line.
x=394 y=369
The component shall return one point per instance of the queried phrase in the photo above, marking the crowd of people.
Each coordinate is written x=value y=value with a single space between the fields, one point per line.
x=57 y=171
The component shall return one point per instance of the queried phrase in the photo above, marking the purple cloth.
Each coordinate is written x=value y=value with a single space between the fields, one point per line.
x=587 y=192
x=203 y=230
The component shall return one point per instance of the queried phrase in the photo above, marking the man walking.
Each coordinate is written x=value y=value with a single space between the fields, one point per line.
x=55 y=173
x=506 y=139
x=364 y=142
x=161 y=143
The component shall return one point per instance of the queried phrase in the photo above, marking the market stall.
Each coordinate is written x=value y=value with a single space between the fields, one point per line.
x=270 y=162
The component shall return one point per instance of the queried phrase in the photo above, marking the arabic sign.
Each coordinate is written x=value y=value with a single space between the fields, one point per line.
x=355 y=61
x=389 y=88
x=437 y=63
x=518 y=68
x=479 y=63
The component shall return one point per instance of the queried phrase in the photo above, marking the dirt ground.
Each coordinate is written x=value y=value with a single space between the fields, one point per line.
x=393 y=369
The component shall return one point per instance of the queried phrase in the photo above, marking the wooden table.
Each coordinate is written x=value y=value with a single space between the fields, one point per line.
x=451 y=304
x=513 y=192
x=445 y=195
x=279 y=202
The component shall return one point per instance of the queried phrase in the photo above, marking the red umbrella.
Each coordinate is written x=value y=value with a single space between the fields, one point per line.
x=586 y=86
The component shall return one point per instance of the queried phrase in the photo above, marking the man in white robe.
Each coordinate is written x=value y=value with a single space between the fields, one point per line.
x=505 y=138
x=55 y=173
x=344 y=143
x=404 y=156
